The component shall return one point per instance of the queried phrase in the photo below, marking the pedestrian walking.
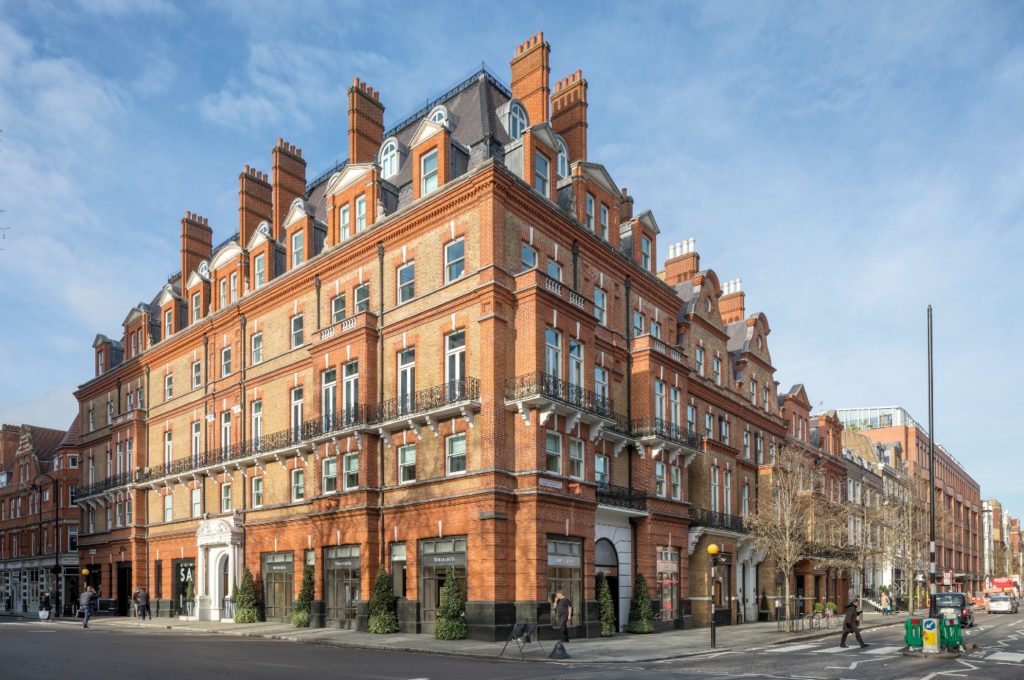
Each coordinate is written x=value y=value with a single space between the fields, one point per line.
x=142 y=603
x=87 y=601
x=886 y=602
x=563 y=614
x=44 y=607
x=851 y=625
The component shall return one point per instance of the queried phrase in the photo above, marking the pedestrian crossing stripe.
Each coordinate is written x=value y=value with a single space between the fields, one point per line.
x=834 y=649
x=883 y=650
x=791 y=647
x=1006 y=656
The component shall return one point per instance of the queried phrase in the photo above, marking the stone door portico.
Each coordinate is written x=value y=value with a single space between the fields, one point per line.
x=219 y=543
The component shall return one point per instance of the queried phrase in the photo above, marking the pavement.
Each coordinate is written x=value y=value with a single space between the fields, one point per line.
x=622 y=648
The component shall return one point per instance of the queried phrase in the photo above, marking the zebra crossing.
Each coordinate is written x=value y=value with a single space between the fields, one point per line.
x=834 y=648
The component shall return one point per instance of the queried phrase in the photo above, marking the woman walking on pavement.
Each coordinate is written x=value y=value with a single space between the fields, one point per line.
x=850 y=624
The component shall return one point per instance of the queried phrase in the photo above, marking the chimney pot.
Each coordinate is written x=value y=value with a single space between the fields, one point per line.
x=355 y=81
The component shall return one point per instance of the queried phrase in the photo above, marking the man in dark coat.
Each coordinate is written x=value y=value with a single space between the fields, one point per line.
x=850 y=624
x=142 y=601
x=563 y=614
x=87 y=601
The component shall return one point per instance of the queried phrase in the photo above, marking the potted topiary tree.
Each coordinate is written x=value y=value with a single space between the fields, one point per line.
x=244 y=599
x=451 y=613
x=607 y=607
x=763 y=613
x=190 y=598
x=383 y=618
x=641 y=613
x=300 y=617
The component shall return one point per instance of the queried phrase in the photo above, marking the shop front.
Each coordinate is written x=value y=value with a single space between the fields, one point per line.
x=565 y=575
x=341 y=586
x=667 y=567
x=436 y=557
x=278 y=586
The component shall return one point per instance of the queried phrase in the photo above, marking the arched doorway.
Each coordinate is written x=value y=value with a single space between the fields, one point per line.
x=606 y=561
x=223 y=570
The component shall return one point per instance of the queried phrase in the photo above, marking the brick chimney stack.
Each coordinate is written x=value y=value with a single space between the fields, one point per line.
x=531 y=73
x=196 y=243
x=365 y=123
x=289 y=182
x=255 y=203
x=683 y=262
x=569 y=114
x=732 y=304
x=625 y=206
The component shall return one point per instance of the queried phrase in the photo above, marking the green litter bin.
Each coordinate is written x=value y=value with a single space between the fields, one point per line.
x=950 y=635
x=912 y=632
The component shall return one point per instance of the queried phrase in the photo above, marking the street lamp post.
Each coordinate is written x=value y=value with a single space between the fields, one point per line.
x=55 y=483
x=716 y=559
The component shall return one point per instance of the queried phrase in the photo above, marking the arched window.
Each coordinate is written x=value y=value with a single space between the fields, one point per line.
x=439 y=115
x=388 y=160
x=563 y=160
x=517 y=121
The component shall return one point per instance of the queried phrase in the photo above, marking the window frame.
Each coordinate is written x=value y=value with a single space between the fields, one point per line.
x=404 y=465
x=449 y=456
x=225 y=362
x=459 y=262
x=329 y=480
x=336 y=308
x=296 y=336
x=297 y=484
x=360 y=213
x=257 y=492
x=197 y=374
x=402 y=294
x=551 y=456
x=256 y=348
x=541 y=174
x=430 y=180
x=298 y=249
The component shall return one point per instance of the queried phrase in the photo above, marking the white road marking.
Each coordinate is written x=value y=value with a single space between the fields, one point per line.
x=883 y=650
x=1006 y=656
x=788 y=648
x=835 y=649
x=853 y=665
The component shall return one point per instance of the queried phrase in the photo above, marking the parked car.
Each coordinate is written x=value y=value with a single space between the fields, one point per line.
x=1001 y=603
x=955 y=605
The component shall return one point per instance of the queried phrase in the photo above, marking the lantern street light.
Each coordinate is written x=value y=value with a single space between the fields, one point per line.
x=716 y=559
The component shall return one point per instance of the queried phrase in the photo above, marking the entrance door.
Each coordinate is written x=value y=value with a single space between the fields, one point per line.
x=124 y=587
x=278 y=586
x=225 y=593
x=433 y=581
x=183 y=573
x=606 y=561
x=341 y=584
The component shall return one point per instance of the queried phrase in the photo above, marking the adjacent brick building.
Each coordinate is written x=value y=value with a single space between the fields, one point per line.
x=958 y=523
x=39 y=477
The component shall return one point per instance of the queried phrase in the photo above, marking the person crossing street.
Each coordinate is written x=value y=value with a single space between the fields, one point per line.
x=851 y=624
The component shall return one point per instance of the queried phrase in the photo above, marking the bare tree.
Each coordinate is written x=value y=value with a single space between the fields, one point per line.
x=783 y=525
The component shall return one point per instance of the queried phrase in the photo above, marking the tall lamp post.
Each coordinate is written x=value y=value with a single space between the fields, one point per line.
x=716 y=559
x=55 y=483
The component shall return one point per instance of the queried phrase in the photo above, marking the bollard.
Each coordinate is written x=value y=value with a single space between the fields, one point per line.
x=912 y=632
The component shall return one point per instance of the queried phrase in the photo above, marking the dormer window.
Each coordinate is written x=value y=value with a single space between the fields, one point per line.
x=389 y=160
x=223 y=294
x=645 y=253
x=298 y=248
x=541 y=173
x=563 y=160
x=361 y=214
x=261 y=270
x=517 y=121
x=428 y=173
x=707 y=305
x=100 y=362
x=439 y=115
x=195 y=311
x=168 y=323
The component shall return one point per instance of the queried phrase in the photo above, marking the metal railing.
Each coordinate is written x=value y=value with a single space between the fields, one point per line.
x=664 y=429
x=621 y=497
x=700 y=517
x=423 y=401
x=547 y=385
x=429 y=399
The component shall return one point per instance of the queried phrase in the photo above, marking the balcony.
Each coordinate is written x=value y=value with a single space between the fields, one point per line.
x=647 y=341
x=662 y=435
x=553 y=395
x=621 y=498
x=459 y=398
x=104 y=485
x=709 y=519
x=336 y=330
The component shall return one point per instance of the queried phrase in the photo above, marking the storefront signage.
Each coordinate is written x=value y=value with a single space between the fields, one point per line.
x=278 y=567
x=550 y=483
x=343 y=563
x=668 y=566
x=572 y=561
x=444 y=560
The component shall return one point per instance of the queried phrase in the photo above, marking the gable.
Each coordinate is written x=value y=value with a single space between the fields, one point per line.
x=261 y=235
x=352 y=172
x=598 y=174
x=298 y=211
x=227 y=255
x=425 y=132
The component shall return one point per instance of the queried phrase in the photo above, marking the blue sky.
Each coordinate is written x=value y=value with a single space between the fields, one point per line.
x=852 y=162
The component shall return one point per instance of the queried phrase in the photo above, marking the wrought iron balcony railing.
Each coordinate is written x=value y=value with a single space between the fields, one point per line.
x=700 y=517
x=429 y=399
x=663 y=429
x=621 y=497
x=551 y=387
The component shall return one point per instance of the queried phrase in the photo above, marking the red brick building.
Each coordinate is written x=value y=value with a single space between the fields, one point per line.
x=39 y=477
x=454 y=349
